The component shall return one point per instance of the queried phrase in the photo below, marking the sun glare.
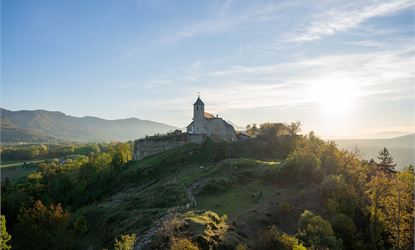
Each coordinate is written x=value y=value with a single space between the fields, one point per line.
x=334 y=96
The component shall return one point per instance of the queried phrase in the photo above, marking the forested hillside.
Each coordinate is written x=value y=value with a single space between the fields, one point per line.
x=278 y=190
x=46 y=126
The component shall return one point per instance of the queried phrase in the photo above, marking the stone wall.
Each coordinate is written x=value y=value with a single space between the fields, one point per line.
x=157 y=144
x=218 y=129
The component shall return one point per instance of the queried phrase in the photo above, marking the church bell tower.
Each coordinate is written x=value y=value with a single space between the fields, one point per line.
x=198 y=116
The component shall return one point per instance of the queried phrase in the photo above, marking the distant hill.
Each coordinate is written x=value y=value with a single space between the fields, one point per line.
x=50 y=126
x=402 y=148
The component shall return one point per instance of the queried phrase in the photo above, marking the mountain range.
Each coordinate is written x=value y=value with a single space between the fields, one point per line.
x=40 y=126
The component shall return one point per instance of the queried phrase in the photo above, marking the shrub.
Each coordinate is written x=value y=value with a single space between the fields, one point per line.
x=183 y=244
x=241 y=246
x=126 y=242
x=80 y=225
x=345 y=229
x=5 y=236
x=340 y=196
x=285 y=208
x=272 y=238
x=43 y=227
x=316 y=232
x=302 y=166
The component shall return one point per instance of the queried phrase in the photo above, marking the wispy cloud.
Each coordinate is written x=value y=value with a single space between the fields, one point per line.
x=342 y=19
x=385 y=75
x=366 y=43
x=226 y=18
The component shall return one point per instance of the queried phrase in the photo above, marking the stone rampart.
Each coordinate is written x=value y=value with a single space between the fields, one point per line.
x=159 y=143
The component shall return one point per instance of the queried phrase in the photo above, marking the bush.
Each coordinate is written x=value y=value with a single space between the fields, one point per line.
x=43 y=227
x=183 y=244
x=316 y=232
x=302 y=166
x=340 y=196
x=285 y=208
x=126 y=242
x=241 y=246
x=272 y=238
x=80 y=225
x=345 y=229
x=5 y=236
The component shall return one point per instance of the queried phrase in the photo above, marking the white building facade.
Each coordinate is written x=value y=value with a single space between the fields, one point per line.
x=205 y=123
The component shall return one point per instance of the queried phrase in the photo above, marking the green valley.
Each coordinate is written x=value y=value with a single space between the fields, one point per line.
x=278 y=191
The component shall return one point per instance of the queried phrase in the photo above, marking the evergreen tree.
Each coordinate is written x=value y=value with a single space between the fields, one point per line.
x=386 y=163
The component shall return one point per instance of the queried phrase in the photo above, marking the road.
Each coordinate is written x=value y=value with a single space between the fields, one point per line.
x=16 y=164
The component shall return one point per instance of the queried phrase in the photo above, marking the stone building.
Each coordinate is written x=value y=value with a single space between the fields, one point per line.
x=203 y=126
x=212 y=126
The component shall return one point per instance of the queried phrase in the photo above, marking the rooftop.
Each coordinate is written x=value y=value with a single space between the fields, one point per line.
x=198 y=102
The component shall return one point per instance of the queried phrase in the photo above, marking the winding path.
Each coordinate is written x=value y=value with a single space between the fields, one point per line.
x=145 y=238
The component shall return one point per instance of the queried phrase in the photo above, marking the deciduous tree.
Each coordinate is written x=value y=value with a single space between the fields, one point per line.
x=42 y=227
x=5 y=236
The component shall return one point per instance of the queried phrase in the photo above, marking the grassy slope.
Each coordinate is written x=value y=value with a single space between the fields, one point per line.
x=243 y=189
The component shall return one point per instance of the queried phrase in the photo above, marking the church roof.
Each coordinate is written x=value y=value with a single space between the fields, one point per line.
x=198 y=102
x=208 y=115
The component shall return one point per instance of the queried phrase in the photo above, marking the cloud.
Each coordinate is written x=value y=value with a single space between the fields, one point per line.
x=381 y=75
x=366 y=43
x=125 y=55
x=342 y=19
x=226 y=18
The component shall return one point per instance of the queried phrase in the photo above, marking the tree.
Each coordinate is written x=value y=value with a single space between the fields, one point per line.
x=42 y=227
x=340 y=196
x=302 y=165
x=376 y=189
x=293 y=128
x=345 y=229
x=395 y=206
x=273 y=238
x=121 y=154
x=251 y=129
x=270 y=130
x=316 y=232
x=386 y=163
x=5 y=236
x=126 y=242
x=392 y=208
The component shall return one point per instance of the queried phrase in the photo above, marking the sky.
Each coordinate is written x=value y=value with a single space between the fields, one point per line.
x=345 y=69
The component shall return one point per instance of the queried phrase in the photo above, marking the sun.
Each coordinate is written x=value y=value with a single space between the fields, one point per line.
x=334 y=96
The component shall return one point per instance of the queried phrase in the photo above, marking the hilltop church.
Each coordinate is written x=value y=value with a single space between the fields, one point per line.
x=203 y=126
x=212 y=126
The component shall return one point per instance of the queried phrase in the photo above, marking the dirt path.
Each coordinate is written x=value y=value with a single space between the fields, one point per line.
x=145 y=238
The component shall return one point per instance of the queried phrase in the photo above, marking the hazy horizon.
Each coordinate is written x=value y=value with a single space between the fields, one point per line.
x=345 y=69
x=379 y=135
